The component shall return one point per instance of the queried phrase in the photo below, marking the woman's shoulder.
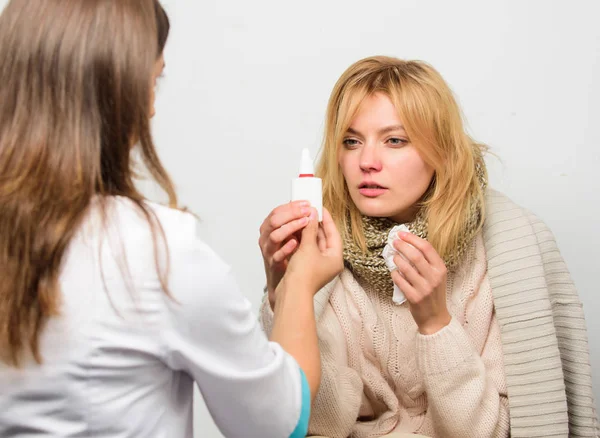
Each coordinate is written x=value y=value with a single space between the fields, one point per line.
x=175 y=223
x=181 y=230
x=503 y=215
x=174 y=218
x=498 y=204
x=177 y=229
x=512 y=234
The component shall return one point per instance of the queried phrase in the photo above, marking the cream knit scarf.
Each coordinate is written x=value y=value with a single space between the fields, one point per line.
x=369 y=266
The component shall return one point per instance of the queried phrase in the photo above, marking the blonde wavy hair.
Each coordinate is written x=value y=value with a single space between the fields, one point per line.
x=433 y=122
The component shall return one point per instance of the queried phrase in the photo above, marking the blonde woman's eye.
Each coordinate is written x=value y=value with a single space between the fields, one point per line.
x=350 y=143
x=398 y=141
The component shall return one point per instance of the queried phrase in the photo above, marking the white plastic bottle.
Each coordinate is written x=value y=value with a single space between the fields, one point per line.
x=307 y=187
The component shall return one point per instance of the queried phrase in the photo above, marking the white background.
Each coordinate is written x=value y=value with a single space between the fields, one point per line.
x=247 y=83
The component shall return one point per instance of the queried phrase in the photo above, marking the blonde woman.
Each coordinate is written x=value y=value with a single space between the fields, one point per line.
x=489 y=339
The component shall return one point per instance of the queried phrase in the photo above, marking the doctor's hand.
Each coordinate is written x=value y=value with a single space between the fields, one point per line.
x=279 y=237
x=318 y=258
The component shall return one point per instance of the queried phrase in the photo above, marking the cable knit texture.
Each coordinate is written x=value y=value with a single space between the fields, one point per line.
x=393 y=379
x=517 y=339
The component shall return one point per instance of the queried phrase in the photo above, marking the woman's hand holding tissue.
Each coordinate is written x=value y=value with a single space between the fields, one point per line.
x=421 y=275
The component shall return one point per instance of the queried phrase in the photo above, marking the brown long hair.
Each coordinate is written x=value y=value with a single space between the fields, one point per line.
x=434 y=123
x=75 y=87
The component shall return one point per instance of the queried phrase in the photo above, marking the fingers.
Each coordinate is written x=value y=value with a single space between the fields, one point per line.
x=284 y=214
x=425 y=247
x=420 y=267
x=332 y=235
x=280 y=226
x=414 y=256
x=285 y=251
x=321 y=240
x=407 y=289
x=410 y=275
x=286 y=230
x=309 y=233
x=314 y=261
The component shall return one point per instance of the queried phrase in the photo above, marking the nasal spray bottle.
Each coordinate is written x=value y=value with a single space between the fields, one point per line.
x=306 y=187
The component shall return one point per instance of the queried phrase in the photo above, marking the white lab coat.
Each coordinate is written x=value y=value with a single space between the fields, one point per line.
x=122 y=357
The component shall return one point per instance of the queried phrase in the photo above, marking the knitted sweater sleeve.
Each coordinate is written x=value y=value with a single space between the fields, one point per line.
x=337 y=403
x=465 y=388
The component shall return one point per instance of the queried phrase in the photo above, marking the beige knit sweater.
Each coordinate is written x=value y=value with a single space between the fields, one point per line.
x=379 y=370
x=517 y=323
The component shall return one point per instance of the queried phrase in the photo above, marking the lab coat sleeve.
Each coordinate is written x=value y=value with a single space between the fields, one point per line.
x=251 y=386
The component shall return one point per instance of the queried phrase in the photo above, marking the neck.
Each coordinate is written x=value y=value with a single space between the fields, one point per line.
x=406 y=216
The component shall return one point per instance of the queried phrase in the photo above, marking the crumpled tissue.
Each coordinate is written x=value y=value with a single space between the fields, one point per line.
x=388 y=254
